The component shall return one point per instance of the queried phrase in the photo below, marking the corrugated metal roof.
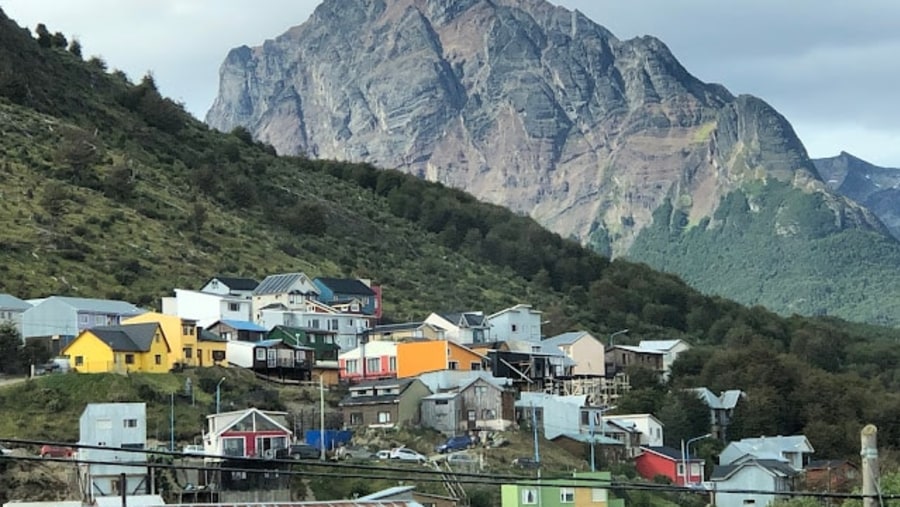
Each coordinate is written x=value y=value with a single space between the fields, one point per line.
x=346 y=286
x=107 y=306
x=566 y=338
x=662 y=345
x=243 y=325
x=279 y=284
x=10 y=302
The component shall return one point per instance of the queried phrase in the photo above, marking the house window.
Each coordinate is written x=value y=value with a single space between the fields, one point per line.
x=79 y=360
x=157 y=338
x=566 y=495
x=260 y=354
x=187 y=330
x=226 y=335
x=334 y=325
x=488 y=414
x=129 y=358
x=475 y=366
x=157 y=359
x=314 y=323
x=392 y=364
x=453 y=365
x=218 y=355
x=129 y=423
x=373 y=364
x=356 y=418
x=233 y=446
x=680 y=471
x=480 y=390
x=514 y=329
x=599 y=495
x=234 y=307
x=351 y=366
x=384 y=417
x=188 y=352
x=529 y=496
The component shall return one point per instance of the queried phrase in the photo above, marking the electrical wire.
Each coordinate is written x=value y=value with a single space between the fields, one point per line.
x=419 y=475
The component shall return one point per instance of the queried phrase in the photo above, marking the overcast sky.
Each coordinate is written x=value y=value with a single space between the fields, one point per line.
x=830 y=66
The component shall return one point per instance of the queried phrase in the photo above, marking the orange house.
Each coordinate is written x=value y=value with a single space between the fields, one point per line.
x=417 y=357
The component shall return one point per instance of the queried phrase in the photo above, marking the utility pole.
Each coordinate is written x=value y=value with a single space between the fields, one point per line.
x=537 y=452
x=172 y=422
x=869 y=453
x=322 y=417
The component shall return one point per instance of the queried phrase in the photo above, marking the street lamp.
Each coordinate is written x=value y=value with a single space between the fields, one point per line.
x=219 y=394
x=685 y=456
x=617 y=333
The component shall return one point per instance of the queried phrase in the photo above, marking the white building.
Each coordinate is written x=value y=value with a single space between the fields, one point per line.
x=520 y=322
x=290 y=290
x=650 y=427
x=462 y=328
x=670 y=350
x=119 y=426
x=347 y=327
x=230 y=286
x=206 y=308
x=557 y=415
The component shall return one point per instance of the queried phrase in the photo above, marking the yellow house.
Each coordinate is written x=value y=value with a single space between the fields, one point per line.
x=120 y=349
x=210 y=349
x=416 y=357
x=190 y=346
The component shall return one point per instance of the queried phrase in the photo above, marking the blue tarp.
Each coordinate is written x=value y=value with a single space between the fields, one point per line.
x=333 y=438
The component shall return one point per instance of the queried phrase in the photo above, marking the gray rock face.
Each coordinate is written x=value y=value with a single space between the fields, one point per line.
x=877 y=188
x=519 y=102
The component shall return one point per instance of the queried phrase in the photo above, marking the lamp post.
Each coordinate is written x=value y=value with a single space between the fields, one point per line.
x=219 y=394
x=685 y=456
x=617 y=333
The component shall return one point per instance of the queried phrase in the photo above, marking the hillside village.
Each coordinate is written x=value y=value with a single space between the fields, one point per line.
x=464 y=373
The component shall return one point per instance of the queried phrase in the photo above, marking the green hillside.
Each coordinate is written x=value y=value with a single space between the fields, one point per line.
x=774 y=246
x=111 y=190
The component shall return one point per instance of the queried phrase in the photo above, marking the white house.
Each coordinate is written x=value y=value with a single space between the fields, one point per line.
x=230 y=286
x=792 y=450
x=557 y=415
x=119 y=426
x=206 y=308
x=290 y=290
x=463 y=327
x=63 y=316
x=11 y=310
x=588 y=353
x=670 y=350
x=347 y=327
x=650 y=427
x=743 y=484
x=520 y=322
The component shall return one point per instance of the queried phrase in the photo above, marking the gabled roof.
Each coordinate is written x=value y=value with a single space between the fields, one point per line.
x=667 y=452
x=242 y=325
x=567 y=338
x=772 y=446
x=235 y=283
x=105 y=306
x=128 y=337
x=346 y=286
x=464 y=319
x=725 y=401
x=586 y=438
x=662 y=345
x=10 y=302
x=446 y=380
x=206 y=335
x=637 y=350
x=226 y=420
x=516 y=308
x=280 y=283
x=773 y=467
x=403 y=326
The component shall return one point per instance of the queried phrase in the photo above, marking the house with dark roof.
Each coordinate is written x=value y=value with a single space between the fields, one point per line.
x=743 y=484
x=11 y=310
x=349 y=328
x=462 y=327
x=288 y=289
x=357 y=294
x=273 y=358
x=238 y=330
x=230 y=286
x=383 y=403
x=664 y=461
x=621 y=357
x=471 y=401
x=831 y=475
x=119 y=349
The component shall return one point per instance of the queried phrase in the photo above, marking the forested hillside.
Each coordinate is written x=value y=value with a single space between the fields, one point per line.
x=111 y=190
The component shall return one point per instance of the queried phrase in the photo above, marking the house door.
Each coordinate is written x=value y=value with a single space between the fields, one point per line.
x=470 y=419
x=272 y=358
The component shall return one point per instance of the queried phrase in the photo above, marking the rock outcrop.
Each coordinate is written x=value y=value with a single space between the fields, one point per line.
x=520 y=103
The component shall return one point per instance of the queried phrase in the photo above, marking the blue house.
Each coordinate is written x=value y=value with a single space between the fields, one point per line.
x=348 y=292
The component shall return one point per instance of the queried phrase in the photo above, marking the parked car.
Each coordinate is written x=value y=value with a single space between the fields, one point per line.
x=457 y=443
x=56 y=451
x=405 y=454
x=462 y=459
x=5 y=452
x=525 y=462
x=383 y=454
x=355 y=453
x=193 y=449
x=298 y=451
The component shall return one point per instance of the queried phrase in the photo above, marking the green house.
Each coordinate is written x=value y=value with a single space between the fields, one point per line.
x=320 y=340
x=584 y=489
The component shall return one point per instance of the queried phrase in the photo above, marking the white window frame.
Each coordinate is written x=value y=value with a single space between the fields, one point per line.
x=261 y=354
x=384 y=417
x=534 y=496
x=566 y=495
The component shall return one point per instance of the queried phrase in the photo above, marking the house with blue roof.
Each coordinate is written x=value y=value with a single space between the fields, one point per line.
x=238 y=330
x=11 y=310
x=358 y=295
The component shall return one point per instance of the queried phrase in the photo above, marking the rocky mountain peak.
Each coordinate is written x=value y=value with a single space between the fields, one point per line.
x=520 y=102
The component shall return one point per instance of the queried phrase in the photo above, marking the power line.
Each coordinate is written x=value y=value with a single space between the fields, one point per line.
x=421 y=475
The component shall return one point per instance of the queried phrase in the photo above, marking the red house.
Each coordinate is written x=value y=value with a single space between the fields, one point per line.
x=374 y=360
x=246 y=434
x=665 y=461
